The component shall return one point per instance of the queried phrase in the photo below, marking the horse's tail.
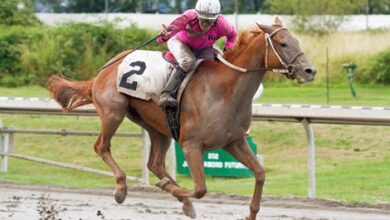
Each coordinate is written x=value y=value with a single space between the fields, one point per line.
x=68 y=93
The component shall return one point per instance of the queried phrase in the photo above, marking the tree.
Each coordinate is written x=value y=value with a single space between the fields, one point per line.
x=379 y=6
x=332 y=12
x=17 y=12
x=71 y=6
x=250 y=6
x=88 y=6
x=123 y=6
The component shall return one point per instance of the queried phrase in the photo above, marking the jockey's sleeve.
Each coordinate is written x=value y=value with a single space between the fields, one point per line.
x=226 y=29
x=231 y=35
x=179 y=24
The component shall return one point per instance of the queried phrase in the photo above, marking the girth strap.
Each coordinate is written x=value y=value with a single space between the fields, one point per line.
x=173 y=121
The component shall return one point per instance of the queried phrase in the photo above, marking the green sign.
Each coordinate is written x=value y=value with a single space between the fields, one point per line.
x=217 y=162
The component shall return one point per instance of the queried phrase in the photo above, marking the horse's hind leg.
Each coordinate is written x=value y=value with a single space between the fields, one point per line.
x=242 y=152
x=111 y=113
x=159 y=147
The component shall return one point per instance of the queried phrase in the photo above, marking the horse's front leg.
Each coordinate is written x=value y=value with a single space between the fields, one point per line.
x=159 y=147
x=194 y=156
x=242 y=152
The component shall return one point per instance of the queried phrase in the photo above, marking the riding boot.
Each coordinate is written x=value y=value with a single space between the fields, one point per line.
x=174 y=81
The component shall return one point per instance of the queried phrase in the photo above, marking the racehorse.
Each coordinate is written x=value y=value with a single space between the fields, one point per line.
x=217 y=101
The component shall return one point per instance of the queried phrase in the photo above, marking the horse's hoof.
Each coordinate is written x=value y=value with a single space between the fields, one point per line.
x=163 y=183
x=119 y=197
x=189 y=210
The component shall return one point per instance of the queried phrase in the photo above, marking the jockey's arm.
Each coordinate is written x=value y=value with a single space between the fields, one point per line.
x=231 y=36
x=177 y=25
x=225 y=28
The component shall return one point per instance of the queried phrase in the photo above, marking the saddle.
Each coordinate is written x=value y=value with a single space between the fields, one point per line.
x=173 y=113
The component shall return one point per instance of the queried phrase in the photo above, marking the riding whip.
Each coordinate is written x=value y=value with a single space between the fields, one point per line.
x=137 y=48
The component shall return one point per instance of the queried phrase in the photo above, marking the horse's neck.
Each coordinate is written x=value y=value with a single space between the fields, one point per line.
x=246 y=84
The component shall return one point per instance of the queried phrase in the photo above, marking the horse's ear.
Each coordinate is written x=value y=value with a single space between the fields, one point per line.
x=278 y=21
x=265 y=28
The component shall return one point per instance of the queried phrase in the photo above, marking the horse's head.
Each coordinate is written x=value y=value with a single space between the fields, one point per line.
x=283 y=51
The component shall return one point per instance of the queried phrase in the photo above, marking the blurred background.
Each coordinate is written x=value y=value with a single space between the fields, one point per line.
x=75 y=37
x=177 y=6
x=348 y=41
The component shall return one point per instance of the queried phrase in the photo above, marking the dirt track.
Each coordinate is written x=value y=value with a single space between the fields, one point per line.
x=19 y=202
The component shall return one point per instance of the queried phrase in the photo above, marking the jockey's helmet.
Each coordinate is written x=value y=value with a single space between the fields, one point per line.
x=208 y=9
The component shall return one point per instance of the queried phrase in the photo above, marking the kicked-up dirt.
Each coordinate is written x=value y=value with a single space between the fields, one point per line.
x=30 y=202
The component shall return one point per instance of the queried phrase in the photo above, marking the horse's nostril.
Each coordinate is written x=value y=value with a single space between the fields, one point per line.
x=310 y=71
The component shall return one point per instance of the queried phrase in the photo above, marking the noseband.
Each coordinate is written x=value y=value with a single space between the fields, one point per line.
x=289 y=67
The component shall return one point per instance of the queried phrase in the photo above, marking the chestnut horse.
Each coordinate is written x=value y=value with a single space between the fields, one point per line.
x=217 y=101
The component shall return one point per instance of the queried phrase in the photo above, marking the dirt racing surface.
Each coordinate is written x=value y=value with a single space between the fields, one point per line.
x=19 y=202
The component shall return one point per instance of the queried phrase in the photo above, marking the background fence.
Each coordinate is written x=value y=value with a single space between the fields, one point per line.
x=305 y=114
x=241 y=21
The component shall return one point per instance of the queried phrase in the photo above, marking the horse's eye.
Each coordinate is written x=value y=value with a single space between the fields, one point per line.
x=283 y=44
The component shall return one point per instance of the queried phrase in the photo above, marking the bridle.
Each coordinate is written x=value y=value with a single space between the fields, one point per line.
x=289 y=67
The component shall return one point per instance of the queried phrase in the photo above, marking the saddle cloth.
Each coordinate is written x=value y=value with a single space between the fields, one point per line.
x=143 y=74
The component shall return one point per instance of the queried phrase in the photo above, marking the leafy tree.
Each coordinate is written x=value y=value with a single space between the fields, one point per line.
x=94 y=6
x=245 y=6
x=251 y=6
x=379 y=6
x=17 y=12
x=380 y=71
x=87 y=5
x=304 y=11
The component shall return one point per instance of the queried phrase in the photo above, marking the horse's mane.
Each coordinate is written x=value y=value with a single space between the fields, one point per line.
x=243 y=40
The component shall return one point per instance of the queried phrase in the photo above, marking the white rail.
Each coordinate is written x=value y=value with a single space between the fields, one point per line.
x=322 y=114
x=18 y=105
x=242 y=21
x=21 y=105
x=305 y=114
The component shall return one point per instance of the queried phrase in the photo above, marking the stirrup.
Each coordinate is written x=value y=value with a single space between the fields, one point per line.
x=167 y=100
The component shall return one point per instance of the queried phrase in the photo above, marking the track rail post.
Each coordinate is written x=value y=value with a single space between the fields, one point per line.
x=11 y=140
x=172 y=160
x=311 y=159
x=4 y=139
x=145 y=157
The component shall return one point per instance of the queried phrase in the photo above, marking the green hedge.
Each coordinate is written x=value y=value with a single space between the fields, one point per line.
x=378 y=68
x=18 y=12
x=29 y=55
x=10 y=39
x=373 y=69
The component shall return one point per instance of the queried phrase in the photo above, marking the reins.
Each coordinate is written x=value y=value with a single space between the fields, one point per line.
x=243 y=70
x=289 y=68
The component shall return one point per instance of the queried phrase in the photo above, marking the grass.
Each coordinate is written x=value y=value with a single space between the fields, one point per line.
x=347 y=157
x=339 y=94
x=352 y=161
x=345 y=43
x=25 y=91
x=347 y=46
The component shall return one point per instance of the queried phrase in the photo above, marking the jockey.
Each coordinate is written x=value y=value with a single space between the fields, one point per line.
x=190 y=37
